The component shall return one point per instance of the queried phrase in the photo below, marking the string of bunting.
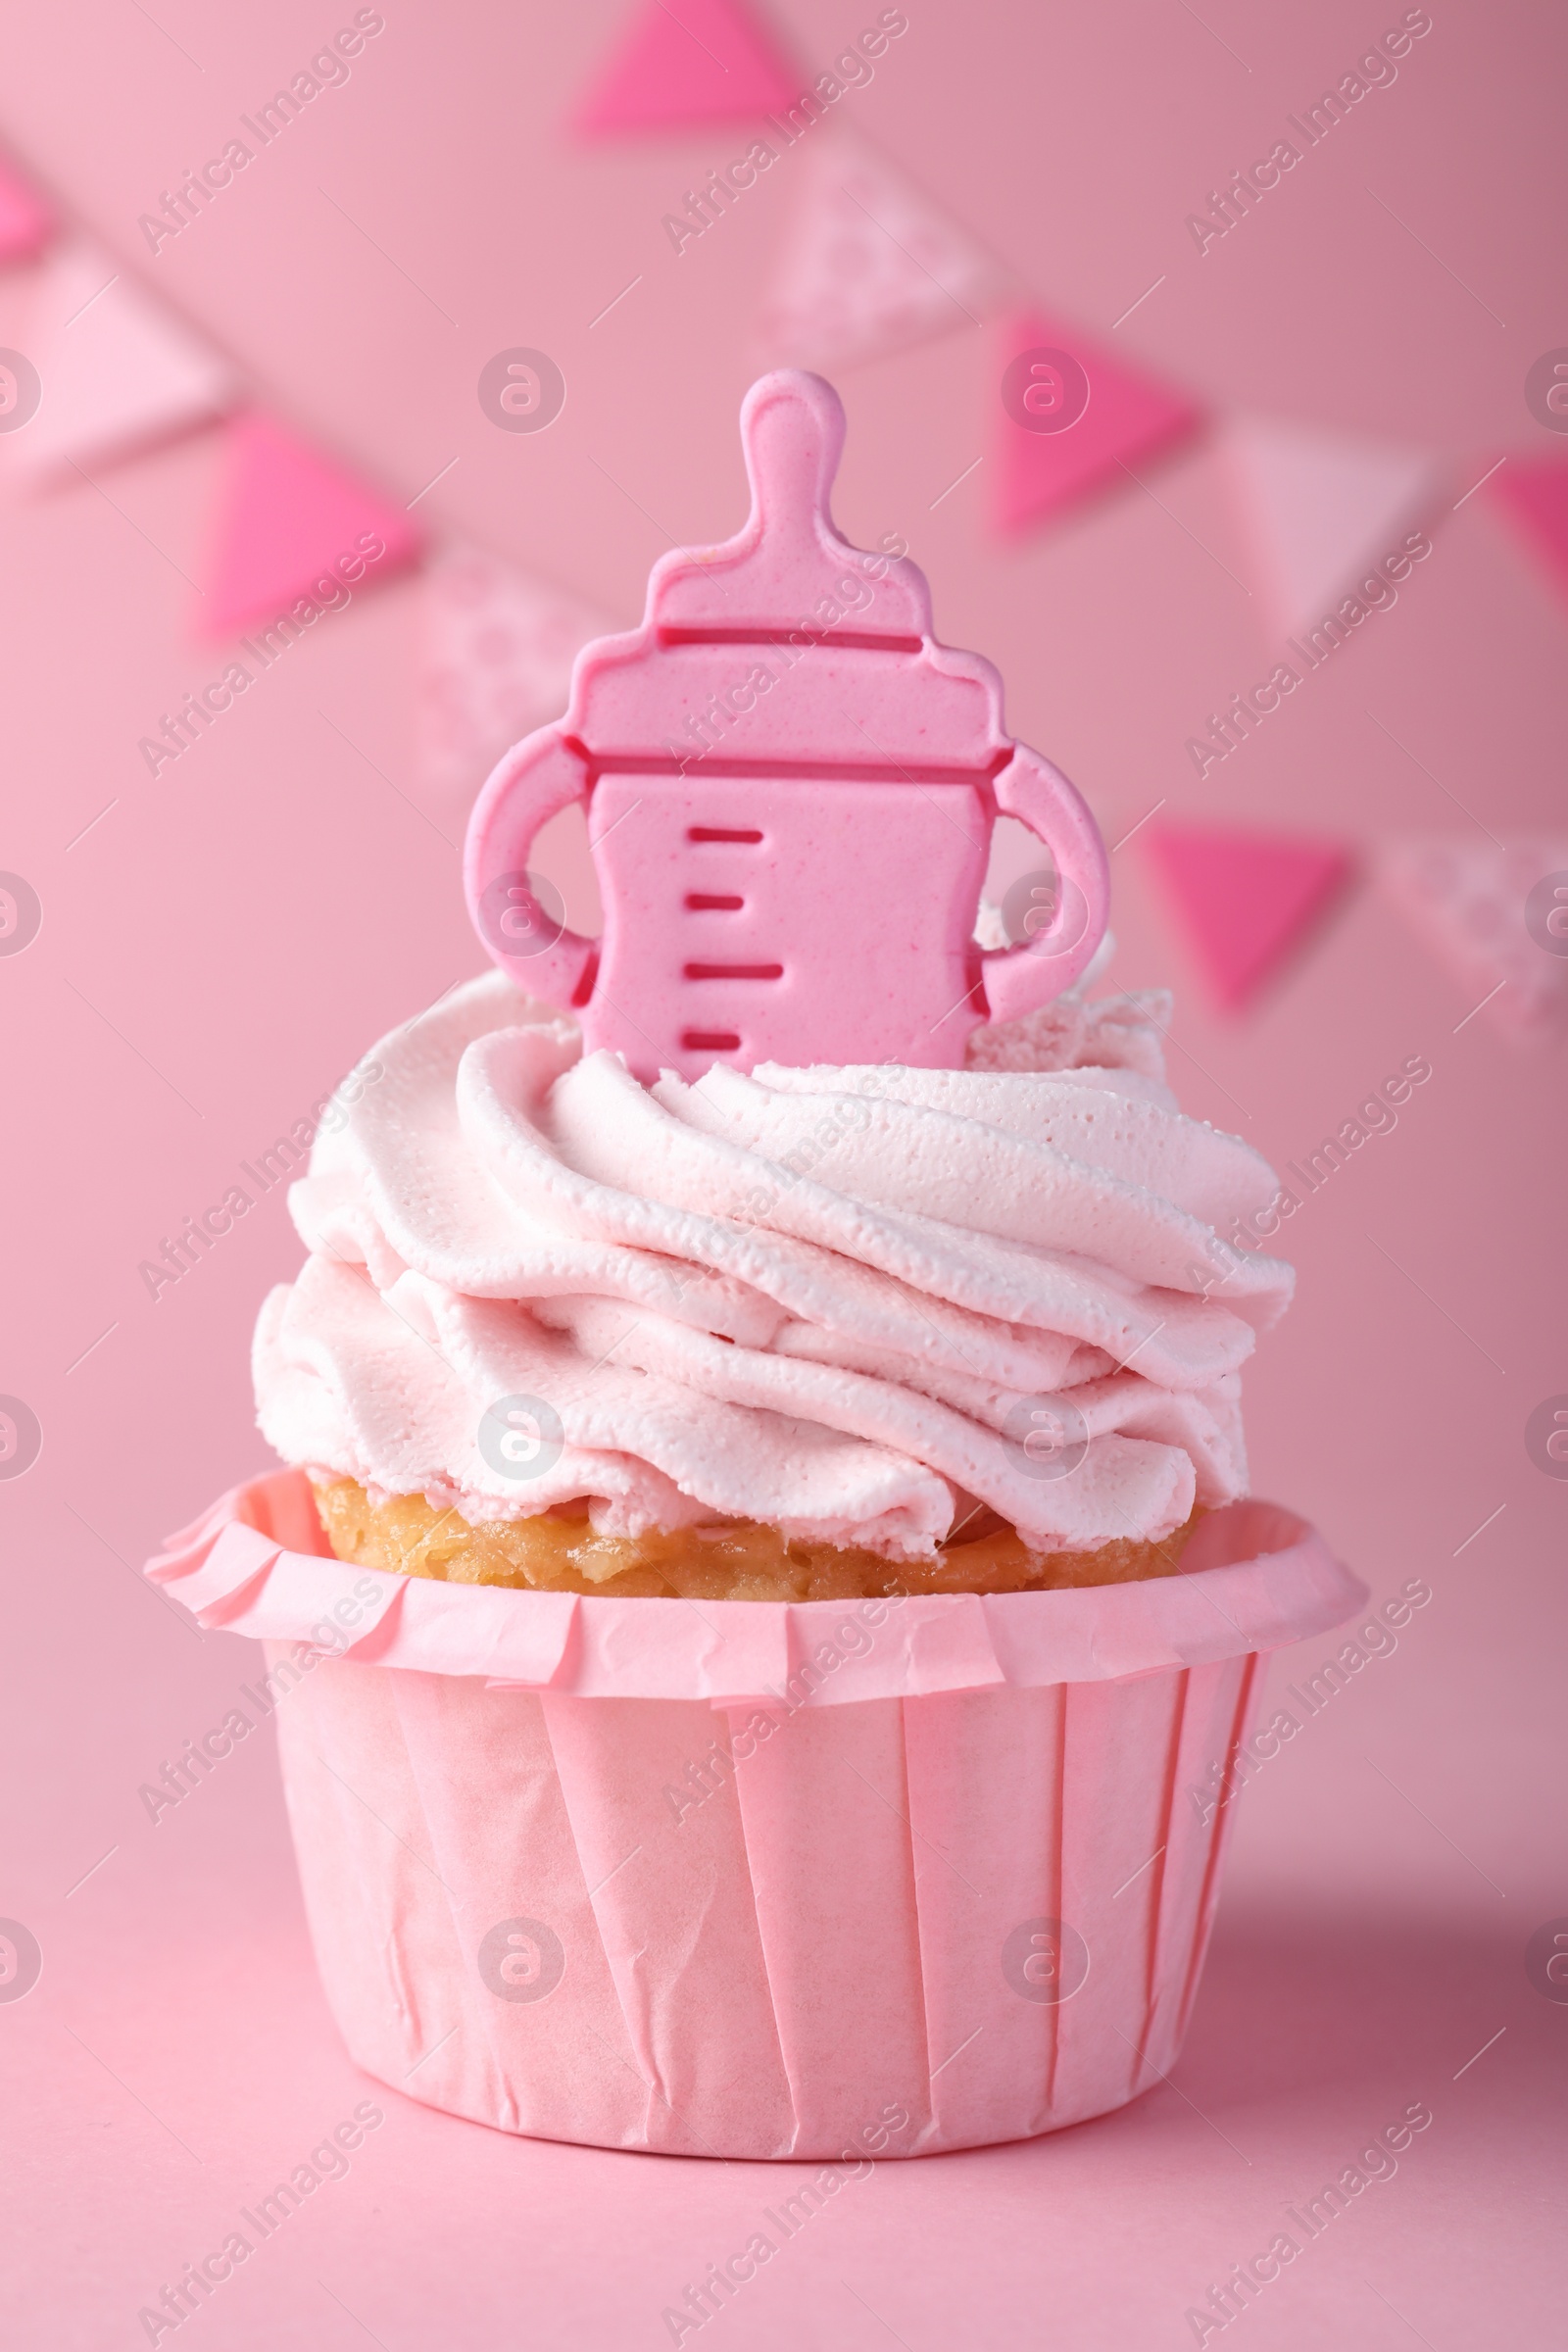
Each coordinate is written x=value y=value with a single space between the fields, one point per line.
x=869 y=266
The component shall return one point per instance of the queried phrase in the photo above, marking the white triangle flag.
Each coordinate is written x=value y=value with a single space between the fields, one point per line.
x=1498 y=916
x=1323 y=507
x=869 y=263
x=496 y=663
x=116 y=370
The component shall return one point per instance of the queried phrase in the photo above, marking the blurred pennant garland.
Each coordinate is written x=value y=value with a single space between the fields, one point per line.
x=711 y=63
x=498 y=652
x=289 y=517
x=1322 y=509
x=868 y=266
x=1535 y=495
x=118 y=373
x=1248 y=902
x=26 y=221
x=1073 y=421
x=1498 y=916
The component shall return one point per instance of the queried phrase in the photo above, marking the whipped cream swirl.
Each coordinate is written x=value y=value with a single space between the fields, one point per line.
x=846 y=1302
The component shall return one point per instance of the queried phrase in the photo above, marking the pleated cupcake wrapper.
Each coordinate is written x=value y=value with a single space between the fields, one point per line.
x=751 y=1878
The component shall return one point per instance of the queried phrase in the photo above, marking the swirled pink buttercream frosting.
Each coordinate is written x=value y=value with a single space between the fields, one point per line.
x=845 y=1301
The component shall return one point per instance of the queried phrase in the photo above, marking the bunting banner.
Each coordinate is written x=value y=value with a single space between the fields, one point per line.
x=1073 y=420
x=1534 y=494
x=27 y=222
x=1246 y=901
x=870 y=265
x=674 y=68
x=117 y=372
x=1323 y=509
x=294 y=527
x=1497 y=915
x=495 y=662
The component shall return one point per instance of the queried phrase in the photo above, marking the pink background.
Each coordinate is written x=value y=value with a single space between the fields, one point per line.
x=229 y=938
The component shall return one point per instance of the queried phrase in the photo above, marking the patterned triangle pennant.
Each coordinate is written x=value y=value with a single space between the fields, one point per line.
x=293 y=521
x=496 y=663
x=870 y=265
x=1322 y=509
x=1073 y=420
x=117 y=372
x=1498 y=916
x=706 y=61
x=1247 y=901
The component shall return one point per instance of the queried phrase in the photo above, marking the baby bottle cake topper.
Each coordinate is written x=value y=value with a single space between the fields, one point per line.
x=791 y=789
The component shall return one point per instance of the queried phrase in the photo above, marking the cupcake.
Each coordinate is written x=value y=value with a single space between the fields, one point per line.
x=764 y=1541
x=786 y=1336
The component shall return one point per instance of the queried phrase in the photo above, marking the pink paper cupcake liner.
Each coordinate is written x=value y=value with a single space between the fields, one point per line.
x=752 y=1878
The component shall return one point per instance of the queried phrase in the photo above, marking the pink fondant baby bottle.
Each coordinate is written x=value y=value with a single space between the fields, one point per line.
x=791 y=789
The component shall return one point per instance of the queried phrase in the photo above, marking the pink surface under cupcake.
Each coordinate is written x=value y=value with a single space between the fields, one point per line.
x=764 y=1566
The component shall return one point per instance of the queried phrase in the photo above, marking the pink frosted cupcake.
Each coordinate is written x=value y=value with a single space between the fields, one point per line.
x=879 y=1329
x=764 y=1548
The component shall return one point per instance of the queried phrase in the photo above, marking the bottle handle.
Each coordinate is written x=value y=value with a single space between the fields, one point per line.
x=544 y=775
x=537 y=778
x=1072 y=908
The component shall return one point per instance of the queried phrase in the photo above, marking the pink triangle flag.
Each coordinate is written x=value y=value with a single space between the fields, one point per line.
x=295 y=527
x=1498 y=916
x=25 y=221
x=1073 y=420
x=1534 y=493
x=496 y=663
x=870 y=265
x=1322 y=507
x=117 y=372
x=1247 y=899
x=706 y=61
